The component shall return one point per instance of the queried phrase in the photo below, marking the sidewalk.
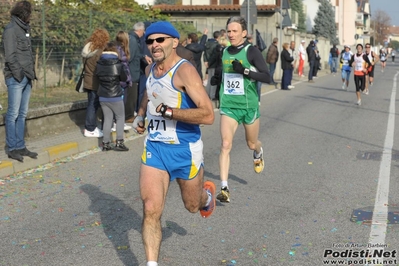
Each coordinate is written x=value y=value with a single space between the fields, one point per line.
x=51 y=148
x=57 y=148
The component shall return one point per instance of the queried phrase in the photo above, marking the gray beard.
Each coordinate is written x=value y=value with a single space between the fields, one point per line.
x=158 y=60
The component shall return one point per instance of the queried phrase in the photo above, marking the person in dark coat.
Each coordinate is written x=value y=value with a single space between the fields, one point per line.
x=317 y=65
x=91 y=53
x=111 y=72
x=334 y=53
x=19 y=71
x=272 y=58
x=136 y=57
x=183 y=52
x=211 y=56
x=197 y=49
x=286 y=66
x=312 y=60
x=143 y=64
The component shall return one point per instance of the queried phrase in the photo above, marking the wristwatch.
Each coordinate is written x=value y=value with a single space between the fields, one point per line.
x=166 y=111
x=246 y=72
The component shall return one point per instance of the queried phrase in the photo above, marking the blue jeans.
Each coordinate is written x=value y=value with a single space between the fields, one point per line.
x=18 y=105
x=286 y=79
x=93 y=103
x=334 y=65
x=272 y=69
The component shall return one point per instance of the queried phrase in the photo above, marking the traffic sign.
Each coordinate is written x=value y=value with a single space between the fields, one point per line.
x=253 y=11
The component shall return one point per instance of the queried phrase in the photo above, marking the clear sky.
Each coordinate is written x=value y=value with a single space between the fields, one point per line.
x=391 y=7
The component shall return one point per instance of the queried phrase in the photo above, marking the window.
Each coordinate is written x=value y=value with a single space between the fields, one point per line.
x=225 y=2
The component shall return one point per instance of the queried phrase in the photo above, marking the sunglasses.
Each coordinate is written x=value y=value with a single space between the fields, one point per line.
x=367 y=46
x=159 y=40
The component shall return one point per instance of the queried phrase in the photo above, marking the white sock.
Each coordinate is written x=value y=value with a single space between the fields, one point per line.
x=208 y=201
x=257 y=155
x=224 y=184
x=152 y=263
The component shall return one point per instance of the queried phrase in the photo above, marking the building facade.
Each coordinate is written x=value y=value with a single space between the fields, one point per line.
x=352 y=19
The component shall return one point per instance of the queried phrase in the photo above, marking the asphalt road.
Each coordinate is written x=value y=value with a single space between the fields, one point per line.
x=323 y=159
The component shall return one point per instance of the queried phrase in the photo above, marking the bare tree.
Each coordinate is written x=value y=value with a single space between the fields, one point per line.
x=380 y=24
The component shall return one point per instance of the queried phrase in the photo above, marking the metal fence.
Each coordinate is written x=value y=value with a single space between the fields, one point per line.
x=58 y=35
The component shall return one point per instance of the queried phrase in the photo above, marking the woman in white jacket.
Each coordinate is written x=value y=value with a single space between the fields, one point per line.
x=302 y=57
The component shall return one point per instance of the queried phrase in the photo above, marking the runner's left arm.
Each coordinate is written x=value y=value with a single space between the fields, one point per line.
x=186 y=78
x=255 y=57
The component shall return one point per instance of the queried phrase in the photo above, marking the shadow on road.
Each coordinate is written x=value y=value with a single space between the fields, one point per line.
x=231 y=177
x=118 y=219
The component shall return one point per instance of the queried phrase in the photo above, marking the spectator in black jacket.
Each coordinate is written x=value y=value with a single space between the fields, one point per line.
x=317 y=65
x=334 y=59
x=286 y=66
x=197 y=48
x=185 y=53
x=110 y=72
x=211 y=56
x=143 y=64
x=136 y=57
x=312 y=60
x=19 y=71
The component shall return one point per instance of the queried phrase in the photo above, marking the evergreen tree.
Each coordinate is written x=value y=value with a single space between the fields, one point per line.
x=297 y=6
x=325 y=22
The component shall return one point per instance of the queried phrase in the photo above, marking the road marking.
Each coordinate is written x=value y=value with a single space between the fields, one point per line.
x=268 y=92
x=380 y=213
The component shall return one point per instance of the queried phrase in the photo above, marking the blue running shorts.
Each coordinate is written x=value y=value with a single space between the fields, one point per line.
x=345 y=74
x=179 y=160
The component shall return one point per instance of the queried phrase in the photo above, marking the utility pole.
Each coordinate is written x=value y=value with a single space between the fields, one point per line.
x=281 y=23
x=374 y=34
x=248 y=23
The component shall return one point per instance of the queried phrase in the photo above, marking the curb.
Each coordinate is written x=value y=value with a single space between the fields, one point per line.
x=52 y=153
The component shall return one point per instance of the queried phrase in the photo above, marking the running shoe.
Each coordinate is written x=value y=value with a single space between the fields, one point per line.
x=359 y=102
x=210 y=188
x=366 y=92
x=258 y=163
x=96 y=133
x=343 y=86
x=224 y=195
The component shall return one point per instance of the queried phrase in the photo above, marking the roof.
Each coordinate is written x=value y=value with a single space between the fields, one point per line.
x=394 y=30
x=208 y=8
x=360 y=5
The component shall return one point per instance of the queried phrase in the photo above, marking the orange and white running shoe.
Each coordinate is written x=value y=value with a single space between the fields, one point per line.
x=210 y=189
